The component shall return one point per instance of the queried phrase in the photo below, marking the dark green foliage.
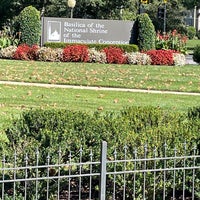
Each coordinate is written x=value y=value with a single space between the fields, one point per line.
x=30 y=26
x=191 y=32
x=194 y=113
x=50 y=129
x=174 y=16
x=134 y=126
x=146 y=32
x=126 y=48
x=198 y=34
x=196 y=54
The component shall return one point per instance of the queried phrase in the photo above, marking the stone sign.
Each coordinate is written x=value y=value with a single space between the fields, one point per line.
x=86 y=31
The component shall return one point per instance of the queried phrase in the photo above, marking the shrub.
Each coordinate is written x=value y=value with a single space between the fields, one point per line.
x=171 y=40
x=161 y=57
x=194 y=113
x=8 y=52
x=115 y=55
x=7 y=38
x=25 y=52
x=198 y=34
x=191 y=32
x=196 y=54
x=49 y=54
x=75 y=53
x=134 y=126
x=138 y=58
x=179 y=59
x=29 y=25
x=97 y=56
x=146 y=32
x=98 y=47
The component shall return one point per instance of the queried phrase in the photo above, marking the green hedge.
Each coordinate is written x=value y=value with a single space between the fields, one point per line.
x=126 y=48
x=50 y=130
x=196 y=54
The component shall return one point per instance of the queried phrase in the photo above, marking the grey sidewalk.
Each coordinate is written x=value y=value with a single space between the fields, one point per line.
x=96 y=88
x=189 y=59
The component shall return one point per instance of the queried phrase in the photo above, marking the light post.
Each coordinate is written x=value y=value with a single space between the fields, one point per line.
x=165 y=12
x=71 y=4
x=42 y=22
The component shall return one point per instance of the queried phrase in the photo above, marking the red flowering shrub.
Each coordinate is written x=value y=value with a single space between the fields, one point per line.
x=25 y=52
x=161 y=57
x=115 y=55
x=75 y=53
x=32 y=53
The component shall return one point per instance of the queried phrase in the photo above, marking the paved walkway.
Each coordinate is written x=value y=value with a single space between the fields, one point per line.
x=96 y=88
x=189 y=60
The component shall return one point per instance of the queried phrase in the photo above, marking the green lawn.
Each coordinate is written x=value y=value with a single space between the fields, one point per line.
x=192 y=43
x=15 y=99
x=185 y=78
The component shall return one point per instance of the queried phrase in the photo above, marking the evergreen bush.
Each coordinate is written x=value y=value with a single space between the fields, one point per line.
x=196 y=54
x=146 y=32
x=29 y=26
x=191 y=32
x=198 y=34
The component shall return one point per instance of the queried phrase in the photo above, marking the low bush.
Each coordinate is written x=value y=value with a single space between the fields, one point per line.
x=198 y=34
x=115 y=55
x=75 y=53
x=50 y=130
x=25 y=52
x=194 y=113
x=161 y=57
x=98 y=47
x=97 y=56
x=191 y=32
x=138 y=58
x=8 y=52
x=81 y=53
x=179 y=59
x=196 y=54
x=49 y=54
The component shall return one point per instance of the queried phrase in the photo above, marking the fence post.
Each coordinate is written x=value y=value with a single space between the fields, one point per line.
x=102 y=194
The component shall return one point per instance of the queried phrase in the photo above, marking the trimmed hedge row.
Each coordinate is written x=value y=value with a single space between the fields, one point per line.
x=50 y=130
x=125 y=47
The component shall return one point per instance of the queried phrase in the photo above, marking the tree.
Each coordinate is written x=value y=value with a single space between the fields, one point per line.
x=190 y=4
x=97 y=9
x=174 y=15
x=11 y=8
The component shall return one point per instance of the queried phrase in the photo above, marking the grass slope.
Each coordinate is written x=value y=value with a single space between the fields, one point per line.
x=186 y=79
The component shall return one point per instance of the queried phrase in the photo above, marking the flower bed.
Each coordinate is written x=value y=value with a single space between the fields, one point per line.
x=82 y=53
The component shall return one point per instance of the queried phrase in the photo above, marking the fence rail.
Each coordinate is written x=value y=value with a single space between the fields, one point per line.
x=131 y=177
